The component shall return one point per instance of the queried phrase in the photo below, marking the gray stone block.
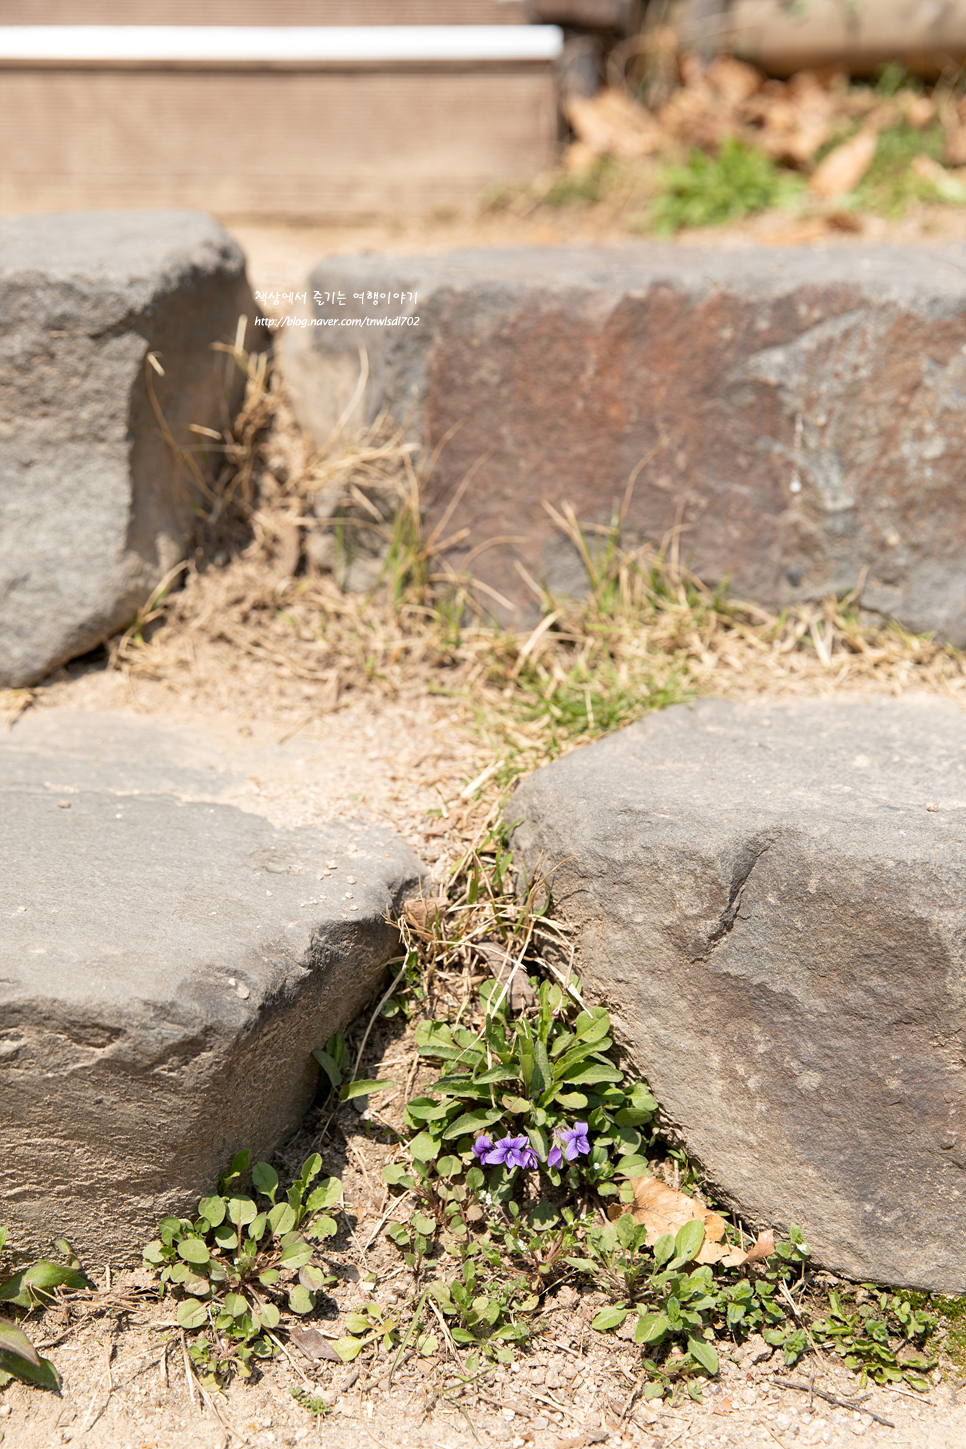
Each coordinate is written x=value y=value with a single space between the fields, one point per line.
x=94 y=503
x=168 y=962
x=798 y=412
x=771 y=898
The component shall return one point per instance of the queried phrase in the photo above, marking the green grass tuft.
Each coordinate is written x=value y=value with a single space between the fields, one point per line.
x=712 y=190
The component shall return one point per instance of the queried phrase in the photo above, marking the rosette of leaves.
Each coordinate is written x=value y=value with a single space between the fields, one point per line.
x=672 y=1300
x=679 y=1305
x=873 y=1335
x=32 y=1287
x=239 y=1260
x=533 y=1073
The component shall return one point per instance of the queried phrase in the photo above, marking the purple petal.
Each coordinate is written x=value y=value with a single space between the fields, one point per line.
x=481 y=1147
x=555 y=1157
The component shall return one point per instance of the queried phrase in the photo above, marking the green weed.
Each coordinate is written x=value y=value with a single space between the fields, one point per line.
x=712 y=190
x=951 y=1317
x=891 y=182
x=31 y=1288
x=530 y=1075
x=235 y=1265
x=587 y=187
x=872 y=1336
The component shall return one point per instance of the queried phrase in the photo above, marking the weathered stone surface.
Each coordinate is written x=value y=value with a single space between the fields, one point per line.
x=772 y=905
x=167 y=964
x=799 y=412
x=94 y=504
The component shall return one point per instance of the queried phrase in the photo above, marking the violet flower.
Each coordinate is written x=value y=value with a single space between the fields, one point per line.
x=570 y=1142
x=508 y=1152
x=481 y=1147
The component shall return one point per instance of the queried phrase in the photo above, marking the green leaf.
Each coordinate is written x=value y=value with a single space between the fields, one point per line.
x=328 y=1194
x=14 y=1340
x=265 y=1179
x=193 y=1250
x=34 y=1284
x=476 y=1121
x=281 y=1218
x=266 y=1316
x=212 y=1209
x=663 y=1249
x=592 y=1074
x=192 y=1314
x=610 y=1317
x=363 y=1088
x=43 y=1374
x=241 y=1210
x=296 y=1252
x=632 y=1166
x=517 y=1105
x=703 y=1353
x=301 y=1299
x=493 y=1074
x=425 y=1147
x=311 y=1168
x=235 y=1304
x=323 y=1227
x=542 y=1075
x=688 y=1242
x=328 y=1066
x=348 y=1348
x=651 y=1328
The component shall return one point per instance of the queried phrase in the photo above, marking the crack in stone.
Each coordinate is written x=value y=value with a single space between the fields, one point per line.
x=745 y=863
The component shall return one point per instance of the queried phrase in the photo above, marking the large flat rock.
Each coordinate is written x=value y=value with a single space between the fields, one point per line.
x=95 y=503
x=168 y=962
x=798 y=412
x=771 y=898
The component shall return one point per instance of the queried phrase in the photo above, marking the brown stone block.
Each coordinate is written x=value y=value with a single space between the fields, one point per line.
x=797 y=415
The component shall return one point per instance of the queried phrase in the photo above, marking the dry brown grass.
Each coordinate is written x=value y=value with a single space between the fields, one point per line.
x=648 y=633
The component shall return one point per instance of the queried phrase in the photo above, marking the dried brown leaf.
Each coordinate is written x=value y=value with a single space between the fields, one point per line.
x=764 y=1246
x=313 y=1344
x=521 y=993
x=611 y=124
x=665 y=1210
x=423 y=913
x=844 y=167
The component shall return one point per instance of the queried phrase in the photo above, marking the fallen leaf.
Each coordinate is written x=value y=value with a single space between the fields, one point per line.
x=733 y=80
x=611 y=124
x=844 y=221
x=919 y=111
x=945 y=184
x=504 y=970
x=763 y=1247
x=664 y=1210
x=845 y=166
x=423 y=912
x=313 y=1344
x=579 y=157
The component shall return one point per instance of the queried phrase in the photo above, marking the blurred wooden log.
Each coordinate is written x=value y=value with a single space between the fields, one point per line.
x=925 y=36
